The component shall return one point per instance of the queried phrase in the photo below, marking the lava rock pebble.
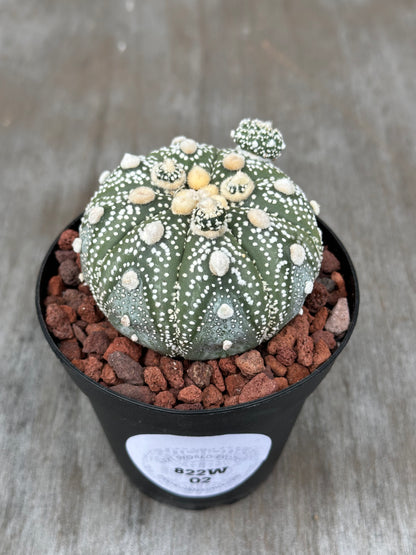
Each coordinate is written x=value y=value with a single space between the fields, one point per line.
x=126 y=368
x=200 y=373
x=318 y=298
x=296 y=372
x=154 y=378
x=190 y=394
x=250 y=363
x=66 y=239
x=330 y=262
x=257 y=387
x=124 y=345
x=69 y=272
x=339 y=320
x=173 y=371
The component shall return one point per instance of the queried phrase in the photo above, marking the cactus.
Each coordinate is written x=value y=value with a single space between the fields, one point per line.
x=201 y=252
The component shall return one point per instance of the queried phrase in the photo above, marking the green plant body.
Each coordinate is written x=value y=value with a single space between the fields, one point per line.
x=201 y=252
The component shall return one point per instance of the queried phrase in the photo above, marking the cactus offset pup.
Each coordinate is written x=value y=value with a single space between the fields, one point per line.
x=201 y=252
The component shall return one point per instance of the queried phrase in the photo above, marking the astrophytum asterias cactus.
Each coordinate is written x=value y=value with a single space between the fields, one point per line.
x=201 y=252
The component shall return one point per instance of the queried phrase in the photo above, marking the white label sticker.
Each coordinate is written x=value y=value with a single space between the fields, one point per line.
x=198 y=466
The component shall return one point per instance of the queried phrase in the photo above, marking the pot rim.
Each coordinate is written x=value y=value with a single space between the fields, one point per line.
x=188 y=414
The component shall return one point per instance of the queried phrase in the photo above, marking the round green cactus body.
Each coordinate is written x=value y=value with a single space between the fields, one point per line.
x=201 y=252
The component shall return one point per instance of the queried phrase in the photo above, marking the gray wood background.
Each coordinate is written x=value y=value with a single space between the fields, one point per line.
x=83 y=82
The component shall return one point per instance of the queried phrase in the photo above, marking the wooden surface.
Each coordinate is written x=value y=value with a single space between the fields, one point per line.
x=83 y=82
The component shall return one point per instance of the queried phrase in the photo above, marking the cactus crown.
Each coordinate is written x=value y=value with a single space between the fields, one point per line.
x=201 y=252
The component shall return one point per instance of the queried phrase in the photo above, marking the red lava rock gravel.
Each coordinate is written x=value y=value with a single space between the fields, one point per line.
x=257 y=387
x=93 y=367
x=66 y=239
x=250 y=363
x=94 y=346
x=154 y=378
x=126 y=368
x=200 y=373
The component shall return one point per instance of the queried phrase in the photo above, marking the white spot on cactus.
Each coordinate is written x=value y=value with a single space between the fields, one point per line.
x=141 y=195
x=225 y=311
x=219 y=263
x=152 y=233
x=81 y=277
x=130 y=161
x=130 y=280
x=237 y=187
x=125 y=321
x=258 y=218
x=134 y=338
x=103 y=177
x=95 y=214
x=198 y=178
x=285 y=186
x=77 y=245
x=184 y=202
x=315 y=207
x=233 y=161
x=308 y=287
x=188 y=146
x=300 y=312
x=297 y=254
x=227 y=344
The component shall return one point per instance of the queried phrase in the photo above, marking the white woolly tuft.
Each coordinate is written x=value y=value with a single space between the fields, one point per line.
x=233 y=161
x=297 y=254
x=130 y=280
x=258 y=218
x=103 y=177
x=285 y=186
x=177 y=140
x=198 y=178
x=315 y=207
x=77 y=244
x=125 y=321
x=188 y=146
x=308 y=287
x=184 y=202
x=152 y=233
x=130 y=161
x=219 y=263
x=141 y=195
x=95 y=214
x=225 y=311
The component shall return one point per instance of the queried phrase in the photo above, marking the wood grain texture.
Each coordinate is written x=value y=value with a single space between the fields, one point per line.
x=83 y=82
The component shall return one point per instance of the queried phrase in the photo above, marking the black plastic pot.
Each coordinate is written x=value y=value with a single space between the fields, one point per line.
x=199 y=459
